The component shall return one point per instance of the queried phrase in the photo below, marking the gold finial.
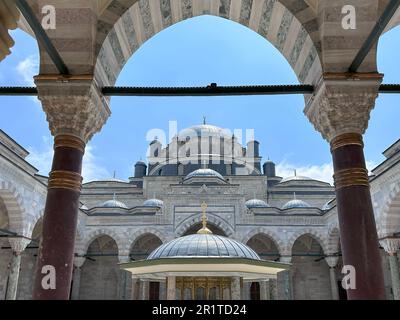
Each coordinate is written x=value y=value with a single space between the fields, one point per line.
x=204 y=229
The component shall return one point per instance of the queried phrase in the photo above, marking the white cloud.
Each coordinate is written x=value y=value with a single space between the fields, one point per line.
x=42 y=160
x=28 y=68
x=90 y=169
x=323 y=172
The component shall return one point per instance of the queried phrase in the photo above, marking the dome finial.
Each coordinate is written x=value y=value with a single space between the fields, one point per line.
x=204 y=229
x=204 y=120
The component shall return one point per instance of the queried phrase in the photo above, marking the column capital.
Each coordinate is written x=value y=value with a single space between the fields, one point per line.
x=285 y=259
x=79 y=261
x=18 y=244
x=74 y=105
x=342 y=103
x=124 y=259
x=332 y=261
x=391 y=245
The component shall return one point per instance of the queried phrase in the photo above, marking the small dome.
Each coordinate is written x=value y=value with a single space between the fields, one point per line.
x=296 y=203
x=114 y=204
x=296 y=178
x=83 y=207
x=256 y=203
x=203 y=245
x=204 y=173
x=153 y=203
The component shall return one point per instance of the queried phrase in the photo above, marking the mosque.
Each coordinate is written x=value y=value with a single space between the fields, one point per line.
x=268 y=237
x=203 y=218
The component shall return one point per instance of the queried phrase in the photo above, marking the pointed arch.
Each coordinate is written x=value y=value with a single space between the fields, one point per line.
x=389 y=218
x=269 y=234
x=144 y=231
x=317 y=235
x=217 y=221
x=15 y=207
x=82 y=246
x=126 y=25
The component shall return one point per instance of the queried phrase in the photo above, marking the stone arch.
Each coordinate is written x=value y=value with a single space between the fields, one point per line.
x=33 y=221
x=143 y=231
x=187 y=223
x=389 y=218
x=143 y=249
x=269 y=234
x=333 y=241
x=310 y=232
x=82 y=247
x=289 y=25
x=15 y=207
x=394 y=22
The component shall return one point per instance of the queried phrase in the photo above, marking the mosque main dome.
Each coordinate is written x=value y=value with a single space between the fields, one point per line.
x=204 y=130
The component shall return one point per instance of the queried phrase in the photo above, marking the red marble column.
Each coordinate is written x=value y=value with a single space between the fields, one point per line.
x=60 y=220
x=358 y=235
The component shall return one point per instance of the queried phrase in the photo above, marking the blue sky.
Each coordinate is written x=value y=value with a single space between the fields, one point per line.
x=197 y=52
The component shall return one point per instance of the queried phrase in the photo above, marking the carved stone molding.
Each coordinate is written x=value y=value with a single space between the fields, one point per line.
x=332 y=261
x=79 y=261
x=18 y=245
x=391 y=245
x=343 y=105
x=9 y=15
x=73 y=106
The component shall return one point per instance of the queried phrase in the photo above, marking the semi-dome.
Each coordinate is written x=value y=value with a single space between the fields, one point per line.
x=114 y=204
x=204 y=130
x=153 y=203
x=296 y=203
x=256 y=203
x=204 y=173
x=203 y=245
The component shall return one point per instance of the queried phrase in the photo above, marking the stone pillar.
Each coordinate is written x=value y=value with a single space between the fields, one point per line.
x=246 y=291
x=391 y=246
x=144 y=289
x=163 y=291
x=332 y=262
x=75 y=110
x=18 y=246
x=264 y=290
x=235 y=288
x=340 y=110
x=286 y=277
x=171 y=288
x=123 y=279
x=134 y=292
x=76 y=279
